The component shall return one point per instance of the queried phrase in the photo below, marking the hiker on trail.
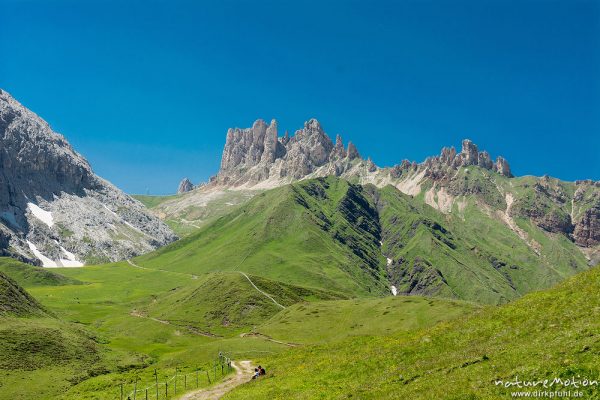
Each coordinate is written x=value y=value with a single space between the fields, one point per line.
x=262 y=370
x=256 y=373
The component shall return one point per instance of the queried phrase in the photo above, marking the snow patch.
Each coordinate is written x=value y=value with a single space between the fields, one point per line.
x=71 y=260
x=42 y=215
x=394 y=290
x=70 y=263
x=46 y=262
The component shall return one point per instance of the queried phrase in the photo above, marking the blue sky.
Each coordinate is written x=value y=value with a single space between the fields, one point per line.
x=147 y=89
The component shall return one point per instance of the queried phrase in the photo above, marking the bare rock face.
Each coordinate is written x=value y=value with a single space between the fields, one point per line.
x=449 y=161
x=352 y=151
x=257 y=155
x=53 y=209
x=501 y=166
x=586 y=207
x=185 y=186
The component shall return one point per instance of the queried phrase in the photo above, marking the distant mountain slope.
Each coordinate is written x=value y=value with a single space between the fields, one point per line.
x=54 y=210
x=256 y=159
x=362 y=240
x=187 y=212
x=320 y=233
x=468 y=253
x=544 y=335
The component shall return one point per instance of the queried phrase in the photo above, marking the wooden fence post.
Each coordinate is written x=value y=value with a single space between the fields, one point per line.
x=166 y=390
x=197 y=378
x=121 y=390
x=156 y=376
x=208 y=377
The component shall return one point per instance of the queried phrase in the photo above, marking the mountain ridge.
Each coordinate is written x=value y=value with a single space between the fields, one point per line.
x=256 y=159
x=54 y=211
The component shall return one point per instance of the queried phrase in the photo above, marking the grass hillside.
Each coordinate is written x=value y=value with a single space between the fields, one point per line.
x=467 y=254
x=186 y=213
x=330 y=234
x=40 y=355
x=326 y=321
x=321 y=233
x=29 y=276
x=544 y=335
x=222 y=303
x=15 y=301
x=152 y=201
x=143 y=319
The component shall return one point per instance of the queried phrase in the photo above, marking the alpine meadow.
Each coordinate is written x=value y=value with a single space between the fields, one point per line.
x=400 y=260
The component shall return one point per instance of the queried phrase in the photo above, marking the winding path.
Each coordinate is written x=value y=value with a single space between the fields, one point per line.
x=161 y=270
x=195 y=331
x=243 y=373
x=266 y=294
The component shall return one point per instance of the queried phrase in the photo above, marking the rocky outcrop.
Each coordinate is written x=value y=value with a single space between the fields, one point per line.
x=53 y=209
x=586 y=213
x=257 y=156
x=449 y=161
x=185 y=186
x=254 y=155
x=587 y=229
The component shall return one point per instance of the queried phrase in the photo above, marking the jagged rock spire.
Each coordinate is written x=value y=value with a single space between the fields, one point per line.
x=185 y=186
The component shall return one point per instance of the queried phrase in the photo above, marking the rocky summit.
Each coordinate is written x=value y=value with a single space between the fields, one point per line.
x=185 y=186
x=54 y=211
x=258 y=157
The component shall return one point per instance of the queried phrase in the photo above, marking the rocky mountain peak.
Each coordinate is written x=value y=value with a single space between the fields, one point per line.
x=257 y=154
x=185 y=186
x=352 y=151
x=53 y=209
x=469 y=155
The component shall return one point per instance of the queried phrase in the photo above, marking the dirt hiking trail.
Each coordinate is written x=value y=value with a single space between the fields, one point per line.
x=243 y=373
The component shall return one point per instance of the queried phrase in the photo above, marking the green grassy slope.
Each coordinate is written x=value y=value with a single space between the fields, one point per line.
x=188 y=212
x=151 y=201
x=547 y=334
x=39 y=355
x=131 y=345
x=224 y=303
x=15 y=301
x=467 y=254
x=28 y=275
x=319 y=233
x=326 y=233
x=325 y=321
x=43 y=357
x=142 y=319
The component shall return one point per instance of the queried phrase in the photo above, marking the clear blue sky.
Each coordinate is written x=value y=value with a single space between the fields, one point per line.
x=147 y=89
